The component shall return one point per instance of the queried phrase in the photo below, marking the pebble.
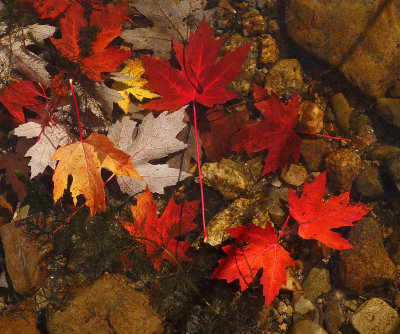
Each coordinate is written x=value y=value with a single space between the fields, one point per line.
x=342 y=111
x=269 y=52
x=383 y=152
x=295 y=175
x=317 y=283
x=333 y=316
x=313 y=150
x=109 y=305
x=253 y=23
x=342 y=168
x=394 y=169
x=311 y=117
x=368 y=263
x=303 y=306
x=284 y=78
x=375 y=317
x=368 y=183
x=308 y=327
x=389 y=110
x=227 y=176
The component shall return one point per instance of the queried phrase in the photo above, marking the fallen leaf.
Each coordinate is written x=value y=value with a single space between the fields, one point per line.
x=52 y=136
x=261 y=250
x=275 y=133
x=201 y=78
x=154 y=139
x=47 y=8
x=317 y=218
x=135 y=85
x=83 y=160
x=171 y=20
x=158 y=234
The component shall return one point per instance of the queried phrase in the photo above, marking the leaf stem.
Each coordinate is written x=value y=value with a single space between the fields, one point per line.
x=284 y=226
x=199 y=168
x=321 y=135
x=77 y=109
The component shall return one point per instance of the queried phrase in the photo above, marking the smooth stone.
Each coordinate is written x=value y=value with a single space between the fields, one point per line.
x=333 y=316
x=383 y=152
x=368 y=183
x=394 y=169
x=294 y=175
x=308 y=327
x=313 y=150
x=317 y=283
x=311 y=117
x=342 y=111
x=303 y=306
x=389 y=110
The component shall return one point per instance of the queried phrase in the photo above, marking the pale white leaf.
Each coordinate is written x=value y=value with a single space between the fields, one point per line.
x=107 y=96
x=122 y=132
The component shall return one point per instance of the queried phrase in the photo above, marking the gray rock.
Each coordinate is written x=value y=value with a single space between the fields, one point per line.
x=308 y=327
x=342 y=111
x=317 y=283
x=333 y=316
x=389 y=110
x=368 y=263
x=360 y=38
x=368 y=183
x=303 y=306
x=109 y=305
x=342 y=168
x=284 y=78
x=375 y=317
x=394 y=169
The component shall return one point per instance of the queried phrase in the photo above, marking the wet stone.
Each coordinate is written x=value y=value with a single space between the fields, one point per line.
x=394 y=169
x=109 y=305
x=308 y=327
x=253 y=23
x=383 y=152
x=311 y=117
x=367 y=264
x=21 y=319
x=317 y=283
x=389 y=110
x=313 y=150
x=294 y=175
x=342 y=111
x=375 y=316
x=269 y=52
x=227 y=176
x=333 y=316
x=368 y=183
x=284 y=78
x=303 y=306
x=342 y=167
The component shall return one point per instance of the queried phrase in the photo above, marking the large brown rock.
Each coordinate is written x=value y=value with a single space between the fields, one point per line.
x=360 y=38
x=21 y=319
x=109 y=305
x=367 y=264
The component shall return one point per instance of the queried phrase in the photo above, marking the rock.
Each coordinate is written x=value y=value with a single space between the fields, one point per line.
x=367 y=264
x=375 y=317
x=284 y=78
x=360 y=38
x=25 y=255
x=342 y=111
x=394 y=169
x=311 y=117
x=269 y=52
x=294 y=175
x=389 y=110
x=253 y=23
x=303 y=306
x=317 y=283
x=308 y=327
x=383 y=152
x=227 y=176
x=342 y=168
x=313 y=150
x=368 y=183
x=21 y=319
x=395 y=91
x=109 y=305
x=333 y=316
x=364 y=141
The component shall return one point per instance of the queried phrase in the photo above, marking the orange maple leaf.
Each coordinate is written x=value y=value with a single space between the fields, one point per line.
x=83 y=160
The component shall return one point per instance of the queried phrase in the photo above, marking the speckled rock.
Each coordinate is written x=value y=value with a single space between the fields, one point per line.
x=389 y=110
x=342 y=111
x=284 y=78
x=21 y=319
x=394 y=169
x=308 y=327
x=317 y=283
x=367 y=264
x=342 y=168
x=333 y=316
x=25 y=256
x=294 y=175
x=109 y=305
x=313 y=150
x=311 y=117
x=227 y=176
x=253 y=23
x=375 y=317
x=360 y=38
x=269 y=52
x=368 y=183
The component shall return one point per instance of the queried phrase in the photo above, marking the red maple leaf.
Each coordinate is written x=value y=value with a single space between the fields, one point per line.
x=317 y=218
x=22 y=94
x=104 y=58
x=261 y=251
x=48 y=8
x=158 y=234
x=202 y=78
x=218 y=141
x=275 y=133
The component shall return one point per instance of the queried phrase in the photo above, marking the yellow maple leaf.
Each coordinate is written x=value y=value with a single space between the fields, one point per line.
x=135 y=86
x=83 y=160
